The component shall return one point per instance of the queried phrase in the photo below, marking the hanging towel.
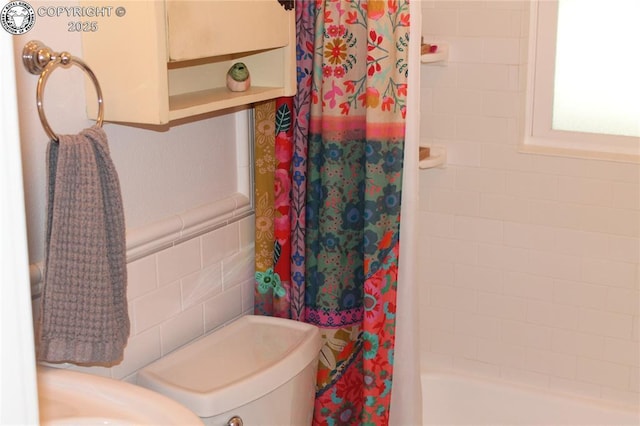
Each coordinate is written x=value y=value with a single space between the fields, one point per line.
x=84 y=316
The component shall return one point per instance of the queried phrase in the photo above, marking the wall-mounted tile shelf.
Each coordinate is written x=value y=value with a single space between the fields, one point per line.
x=439 y=57
x=432 y=156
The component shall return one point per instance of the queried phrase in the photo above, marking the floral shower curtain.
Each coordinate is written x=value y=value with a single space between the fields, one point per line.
x=338 y=230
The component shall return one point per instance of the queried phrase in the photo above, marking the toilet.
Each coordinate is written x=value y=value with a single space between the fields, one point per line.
x=257 y=370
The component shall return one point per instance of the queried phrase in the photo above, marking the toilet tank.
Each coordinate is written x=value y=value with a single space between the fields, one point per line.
x=262 y=369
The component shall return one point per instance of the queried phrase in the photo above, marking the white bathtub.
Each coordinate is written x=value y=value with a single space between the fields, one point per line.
x=452 y=399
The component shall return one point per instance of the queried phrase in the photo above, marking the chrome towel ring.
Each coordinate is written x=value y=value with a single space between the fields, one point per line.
x=40 y=59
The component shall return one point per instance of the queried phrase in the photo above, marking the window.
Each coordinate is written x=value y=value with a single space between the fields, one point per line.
x=584 y=78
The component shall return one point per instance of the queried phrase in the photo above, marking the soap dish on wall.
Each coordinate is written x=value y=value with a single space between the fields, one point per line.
x=432 y=156
x=435 y=54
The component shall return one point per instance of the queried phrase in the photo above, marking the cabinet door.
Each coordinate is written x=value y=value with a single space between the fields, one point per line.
x=198 y=29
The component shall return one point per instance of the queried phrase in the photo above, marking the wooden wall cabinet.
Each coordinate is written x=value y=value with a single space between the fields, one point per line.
x=165 y=60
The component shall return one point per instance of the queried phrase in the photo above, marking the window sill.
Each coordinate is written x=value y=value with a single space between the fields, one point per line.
x=540 y=149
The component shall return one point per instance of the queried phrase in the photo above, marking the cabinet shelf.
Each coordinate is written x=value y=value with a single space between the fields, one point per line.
x=203 y=101
x=168 y=59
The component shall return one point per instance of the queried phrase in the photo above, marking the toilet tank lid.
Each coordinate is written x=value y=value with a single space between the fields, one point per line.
x=235 y=364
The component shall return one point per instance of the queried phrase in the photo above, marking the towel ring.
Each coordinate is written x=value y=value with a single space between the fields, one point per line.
x=39 y=59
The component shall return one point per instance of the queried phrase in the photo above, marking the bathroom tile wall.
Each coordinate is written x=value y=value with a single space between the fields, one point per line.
x=530 y=263
x=184 y=292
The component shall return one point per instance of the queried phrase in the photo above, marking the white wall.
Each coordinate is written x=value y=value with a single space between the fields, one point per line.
x=530 y=263
x=197 y=282
x=18 y=399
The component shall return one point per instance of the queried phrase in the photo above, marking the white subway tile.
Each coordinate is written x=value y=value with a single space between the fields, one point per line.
x=156 y=307
x=519 y=5
x=182 y=328
x=504 y=157
x=439 y=22
x=623 y=301
x=480 y=180
x=201 y=285
x=605 y=323
x=483 y=76
x=460 y=153
x=607 y=272
x=552 y=314
x=220 y=243
x=436 y=272
x=223 y=308
x=556 y=214
x=458 y=4
x=518 y=82
x=594 y=169
x=438 y=126
x=626 y=195
x=577 y=293
x=248 y=296
x=622 y=249
x=434 y=361
x=431 y=77
x=620 y=351
x=485 y=279
x=529 y=236
x=552 y=363
x=528 y=286
x=465 y=50
x=436 y=178
x=478 y=229
x=524 y=334
x=581 y=243
x=435 y=318
x=498 y=206
x=501 y=51
x=483 y=129
x=489 y=23
x=451 y=344
x=178 y=261
x=473 y=324
x=611 y=221
x=532 y=185
x=634 y=386
x=426 y=100
x=454 y=298
x=503 y=354
x=238 y=268
x=580 y=344
x=457 y=101
x=436 y=224
x=452 y=250
x=500 y=306
x=247 y=229
x=554 y=265
x=602 y=373
x=142 y=277
x=502 y=257
x=455 y=202
x=585 y=191
x=500 y=104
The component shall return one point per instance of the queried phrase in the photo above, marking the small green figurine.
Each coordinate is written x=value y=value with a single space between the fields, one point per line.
x=238 y=78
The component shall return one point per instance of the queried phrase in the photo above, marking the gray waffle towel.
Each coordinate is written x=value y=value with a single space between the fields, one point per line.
x=84 y=316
